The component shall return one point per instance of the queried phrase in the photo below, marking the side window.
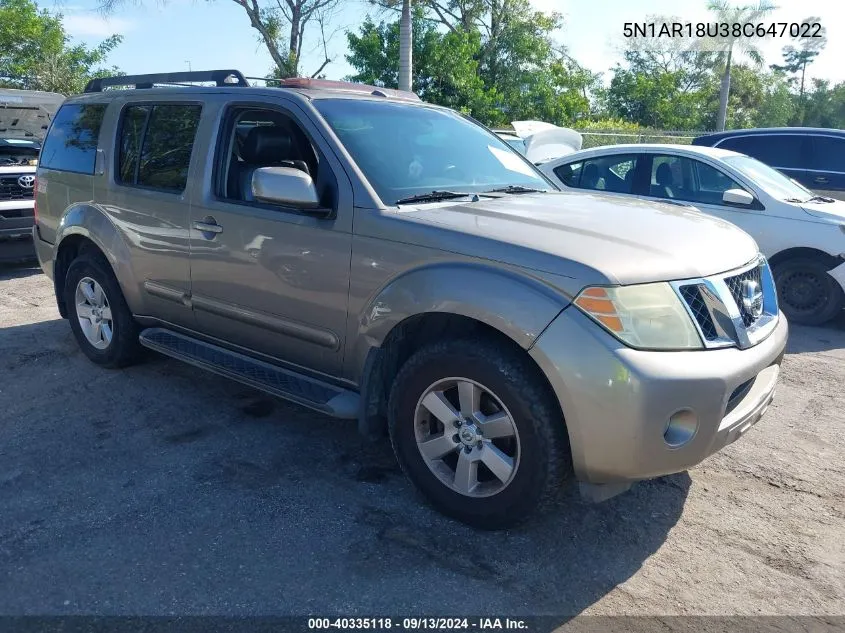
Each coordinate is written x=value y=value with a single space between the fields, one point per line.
x=569 y=174
x=776 y=150
x=828 y=154
x=255 y=138
x=671 y=177
x=609 y=173
x=681 y=178
x=71 y=144
x=129 y=144
x=155 y=145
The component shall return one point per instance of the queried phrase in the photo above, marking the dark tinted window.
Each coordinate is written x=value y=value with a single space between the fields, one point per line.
x=828 y=153
x=777 y=150
x=165 y=136
x=681 y=178
x=569 y=174
x=607 y=173
x=129 y=150
x=71 y=144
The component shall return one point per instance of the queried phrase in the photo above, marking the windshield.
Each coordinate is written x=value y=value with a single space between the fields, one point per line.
x=406 y=150
x=771 y=180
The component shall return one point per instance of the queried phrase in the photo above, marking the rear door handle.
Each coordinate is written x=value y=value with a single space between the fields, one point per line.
x=208 y=227
x=820 y=179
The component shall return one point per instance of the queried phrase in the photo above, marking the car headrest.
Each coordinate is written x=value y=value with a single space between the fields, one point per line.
x=265 y=145
x=664 y=175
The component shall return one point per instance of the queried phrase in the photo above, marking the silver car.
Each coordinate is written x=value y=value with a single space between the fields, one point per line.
x=380 y=259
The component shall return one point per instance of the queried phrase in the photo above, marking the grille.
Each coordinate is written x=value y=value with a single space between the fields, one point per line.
x=11 y=190
x=692 y=295
x=735 y=286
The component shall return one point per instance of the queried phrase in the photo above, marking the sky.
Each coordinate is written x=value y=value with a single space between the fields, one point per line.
x=168 y=35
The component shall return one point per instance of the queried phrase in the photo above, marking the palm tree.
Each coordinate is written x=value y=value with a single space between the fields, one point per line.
x=729 y=14
x=406 y=40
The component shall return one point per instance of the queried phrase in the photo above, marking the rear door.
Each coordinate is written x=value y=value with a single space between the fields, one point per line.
x=788 y=153
x=142 y=186
x=826 y=175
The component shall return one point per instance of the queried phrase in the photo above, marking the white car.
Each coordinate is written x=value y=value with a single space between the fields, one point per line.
x=801 y=234
x=539 y=141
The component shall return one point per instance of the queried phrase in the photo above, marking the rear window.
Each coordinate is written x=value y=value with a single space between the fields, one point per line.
x=71 y=144
x=155 y=144
x=777 y=150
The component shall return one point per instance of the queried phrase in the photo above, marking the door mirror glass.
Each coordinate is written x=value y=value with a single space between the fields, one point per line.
x=285 y=186
x=737 y=196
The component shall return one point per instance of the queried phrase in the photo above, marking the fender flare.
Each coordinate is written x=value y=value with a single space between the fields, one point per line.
x=515 y=303
x=92 y=223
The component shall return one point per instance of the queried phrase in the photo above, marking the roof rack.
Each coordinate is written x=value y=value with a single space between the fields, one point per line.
x=307 y=83
x=220 y=77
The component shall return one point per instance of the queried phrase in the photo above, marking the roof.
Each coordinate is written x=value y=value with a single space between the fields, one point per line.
x=717 y=136
x=233 y=80
x=692 y=150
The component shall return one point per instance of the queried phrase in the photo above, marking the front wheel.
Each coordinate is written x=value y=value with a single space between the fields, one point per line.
x=477 y=430
x=807 y=293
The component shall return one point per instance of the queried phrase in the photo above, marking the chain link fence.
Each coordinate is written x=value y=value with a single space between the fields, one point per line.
x=613 y=137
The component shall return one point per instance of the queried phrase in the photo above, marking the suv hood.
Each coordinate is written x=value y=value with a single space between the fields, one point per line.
x=592 y=238
x=26 y=114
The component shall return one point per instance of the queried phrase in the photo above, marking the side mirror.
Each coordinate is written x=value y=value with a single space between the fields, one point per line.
x=286 y=186
x=738 y=196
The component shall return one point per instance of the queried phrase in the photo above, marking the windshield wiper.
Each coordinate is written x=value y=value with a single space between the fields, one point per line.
x=820 y=199
x=433 y=196
x=515 y=189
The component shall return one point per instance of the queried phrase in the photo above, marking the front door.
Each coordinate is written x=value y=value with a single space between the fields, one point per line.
x=269 y=278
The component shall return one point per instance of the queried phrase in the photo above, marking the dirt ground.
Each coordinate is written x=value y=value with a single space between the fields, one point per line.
x=163 y=490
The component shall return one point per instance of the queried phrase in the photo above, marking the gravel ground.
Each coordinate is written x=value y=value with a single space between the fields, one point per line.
x=162 y=490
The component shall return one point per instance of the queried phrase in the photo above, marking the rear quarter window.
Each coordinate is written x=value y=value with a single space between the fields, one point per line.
x=71 y=144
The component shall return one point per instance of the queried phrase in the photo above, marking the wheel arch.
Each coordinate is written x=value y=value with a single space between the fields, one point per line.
x=829 y=261
x=86 y=227
x=429 y=304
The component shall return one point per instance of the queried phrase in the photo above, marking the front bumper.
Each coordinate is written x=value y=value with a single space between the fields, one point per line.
x=618 y=401
x=16 y=218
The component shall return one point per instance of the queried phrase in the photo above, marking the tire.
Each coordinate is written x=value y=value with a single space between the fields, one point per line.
x=807 y=294
x=122 y=348
x=516 y=393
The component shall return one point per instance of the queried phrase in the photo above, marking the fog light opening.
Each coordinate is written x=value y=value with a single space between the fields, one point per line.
x=681 y=428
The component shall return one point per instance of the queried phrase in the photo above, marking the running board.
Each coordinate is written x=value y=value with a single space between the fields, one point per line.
x=284 y=383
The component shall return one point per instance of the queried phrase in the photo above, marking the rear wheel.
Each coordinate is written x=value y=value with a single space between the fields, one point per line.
x=806 y=292
x=476 y=429
x=98 y=314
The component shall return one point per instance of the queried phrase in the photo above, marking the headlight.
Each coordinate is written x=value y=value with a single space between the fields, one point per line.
x=648 y=316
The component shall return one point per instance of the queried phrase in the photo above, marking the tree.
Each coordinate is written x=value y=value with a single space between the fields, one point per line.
x=495 y=59
x=729 y=14
x=282 y=27
x=37 y=54
x=797 y=58
x=405 y=47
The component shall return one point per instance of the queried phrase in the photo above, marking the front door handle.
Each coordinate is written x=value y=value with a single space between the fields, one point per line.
x=208 y=227
x=820 y=180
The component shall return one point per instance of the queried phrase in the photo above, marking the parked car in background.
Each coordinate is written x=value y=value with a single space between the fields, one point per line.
x=24 y=118
x=378 y=258
x=815 y=157
x=539 y=141
x=802 y=234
